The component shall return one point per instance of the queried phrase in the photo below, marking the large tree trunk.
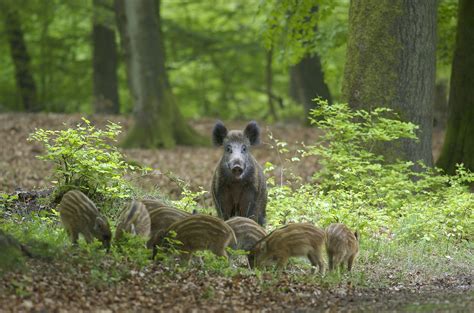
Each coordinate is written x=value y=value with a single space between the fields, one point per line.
x=106 y=98
x=459 y=143
x=391 y=62
x=21 y=58
x=158 y=121
x=307 y=82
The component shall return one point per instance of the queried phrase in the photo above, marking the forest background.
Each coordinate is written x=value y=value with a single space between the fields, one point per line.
x=168 y=69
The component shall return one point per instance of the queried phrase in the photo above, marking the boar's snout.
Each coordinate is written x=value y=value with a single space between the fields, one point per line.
x=237 y=167
x=237 y=170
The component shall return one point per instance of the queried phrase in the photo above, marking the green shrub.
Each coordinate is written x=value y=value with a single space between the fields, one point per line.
x=84 y=159
x=358 y=187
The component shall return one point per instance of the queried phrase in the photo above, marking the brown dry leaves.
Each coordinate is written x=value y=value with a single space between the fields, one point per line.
x=19 y=167
x=63 y=286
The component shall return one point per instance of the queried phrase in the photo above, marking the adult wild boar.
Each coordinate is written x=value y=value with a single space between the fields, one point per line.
x=238 y=185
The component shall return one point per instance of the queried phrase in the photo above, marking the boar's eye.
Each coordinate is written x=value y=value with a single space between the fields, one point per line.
x=228 y=149
x=244 y=148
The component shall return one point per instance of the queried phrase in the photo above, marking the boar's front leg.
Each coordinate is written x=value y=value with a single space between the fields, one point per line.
x=248 y=205
x=218 y=202
x=223 y=203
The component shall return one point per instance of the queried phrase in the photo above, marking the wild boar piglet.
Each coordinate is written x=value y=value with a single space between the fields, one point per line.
x=342 y=246
x=161 y=217
x=79 y=215
x=247 y=232
x=293 y=240
x=133 y=219
x=201 y=232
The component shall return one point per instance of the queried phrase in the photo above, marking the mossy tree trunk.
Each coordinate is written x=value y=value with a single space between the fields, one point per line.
x=105 y=82
x=459 y=143
x=20 y=56
x=158 y=121
x=391 y=62
x=307 y=82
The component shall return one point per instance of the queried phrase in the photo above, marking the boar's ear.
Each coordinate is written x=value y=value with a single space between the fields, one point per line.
x=219 y=132
x=252 y=132
x=356 y=234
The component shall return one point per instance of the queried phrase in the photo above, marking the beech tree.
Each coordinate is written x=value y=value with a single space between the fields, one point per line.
x=459 y=142
x=105 y=82
x=307 y=82
x=391 y=62
x=158 y=120
x=25 y=82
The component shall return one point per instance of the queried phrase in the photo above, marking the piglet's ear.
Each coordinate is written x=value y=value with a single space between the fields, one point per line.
x=219 y=132
x=252 y=132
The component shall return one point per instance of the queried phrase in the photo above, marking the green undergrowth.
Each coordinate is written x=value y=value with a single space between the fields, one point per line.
x=358 y=187
x=381 y=263
x=416 y=226
x=85 y=158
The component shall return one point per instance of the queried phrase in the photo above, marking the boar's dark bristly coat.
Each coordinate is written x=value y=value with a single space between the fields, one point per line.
x=238 y=185
x=79 y=215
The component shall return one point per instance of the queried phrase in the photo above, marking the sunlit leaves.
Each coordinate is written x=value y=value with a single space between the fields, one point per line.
x=83 y=158
x=358 y=187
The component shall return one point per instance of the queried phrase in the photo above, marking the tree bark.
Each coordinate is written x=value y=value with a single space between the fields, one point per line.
x=21 y=58
x=440 y=105
x=307 y=83
x=158 y=121
x=106 y=98
x=391 y=62
x=269 y=83
x=459 y=142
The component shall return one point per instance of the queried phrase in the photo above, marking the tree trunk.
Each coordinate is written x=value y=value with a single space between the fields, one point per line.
x=391 y=62
x=21 y=58
x=158 y=121
x=459 y=142
x=440 y=105
x=307 y=83
x=106 y=98
x=269 y=84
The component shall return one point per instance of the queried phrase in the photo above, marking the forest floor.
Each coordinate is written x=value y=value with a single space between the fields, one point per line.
x=19 y=167
x=71 y=286
x=75 y=283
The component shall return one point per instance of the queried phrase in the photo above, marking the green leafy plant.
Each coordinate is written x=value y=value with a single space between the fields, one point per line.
x=6 y=202
x=380 y=198
x=84 y=158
